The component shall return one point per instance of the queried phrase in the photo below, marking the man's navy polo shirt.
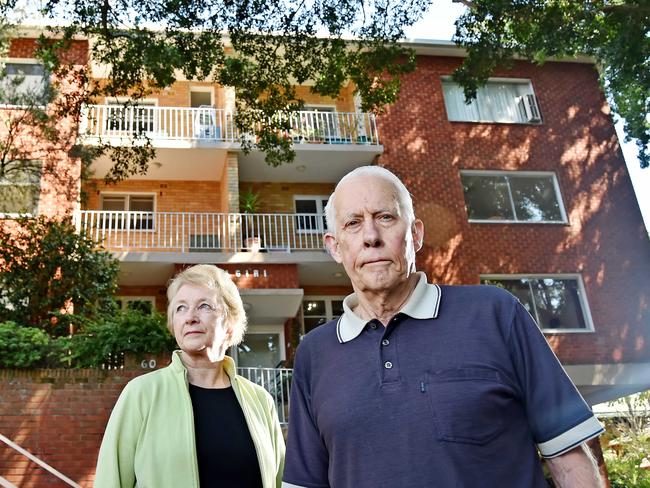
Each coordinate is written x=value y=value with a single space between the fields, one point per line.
x=459 y=390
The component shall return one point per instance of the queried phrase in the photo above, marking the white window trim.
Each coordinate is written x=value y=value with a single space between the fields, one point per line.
x=21 y=61
x=128 y=195
x=328 y=299
x=556 y=186
x=497 y=79
x=318 y=199
x=264 y=329
x=134 y=298
x=582 y=296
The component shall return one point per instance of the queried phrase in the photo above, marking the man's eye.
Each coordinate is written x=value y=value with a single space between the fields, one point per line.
x=386 y=217
x=351 y=223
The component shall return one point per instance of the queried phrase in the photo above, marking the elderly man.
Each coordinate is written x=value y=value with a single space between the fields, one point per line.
x=420 y=385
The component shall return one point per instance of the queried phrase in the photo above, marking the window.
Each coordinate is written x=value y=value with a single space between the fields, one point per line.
x=140 y=210
x=200 y=96
x=146 y=305
x=24 y=83
x=20 y=188
x=510 y=196
x=130 y=119
x=557 y=303
x=310 y=205
x=508 y=101
x=318 y=310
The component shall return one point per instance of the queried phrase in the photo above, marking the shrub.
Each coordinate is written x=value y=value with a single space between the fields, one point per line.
x=22 y=347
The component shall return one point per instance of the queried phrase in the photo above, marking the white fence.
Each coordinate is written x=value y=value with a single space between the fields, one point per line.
x=203 y=232
x=277 y=381
x=213 y=124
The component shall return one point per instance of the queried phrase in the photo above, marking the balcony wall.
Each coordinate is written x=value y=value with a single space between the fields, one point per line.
x=279 y=197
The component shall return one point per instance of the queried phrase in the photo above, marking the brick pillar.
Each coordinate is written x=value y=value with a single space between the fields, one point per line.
x=230 y=184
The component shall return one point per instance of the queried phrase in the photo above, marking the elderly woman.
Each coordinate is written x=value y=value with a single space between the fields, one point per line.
x=195 y=422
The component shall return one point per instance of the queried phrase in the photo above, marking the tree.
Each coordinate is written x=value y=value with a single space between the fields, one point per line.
x=616 y=33
x=262 y=49
x=50 y=270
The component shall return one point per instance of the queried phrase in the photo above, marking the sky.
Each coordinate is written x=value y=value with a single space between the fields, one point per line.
x=438 y=24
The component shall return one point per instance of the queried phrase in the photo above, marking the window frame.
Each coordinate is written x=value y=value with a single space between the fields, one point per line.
x=329 y=314
x=514 y=81
x=582 y=297
x=128 y=196
x=522 y=174
x=36 y=184
x=31 y=61
x=122 y=132
x=319 y=205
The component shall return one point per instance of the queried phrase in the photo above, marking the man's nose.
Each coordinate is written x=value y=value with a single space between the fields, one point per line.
x=371 y=235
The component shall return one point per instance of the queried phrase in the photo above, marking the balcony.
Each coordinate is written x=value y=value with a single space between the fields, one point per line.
x=277 y=381
x=182 y=232
x=170 y=126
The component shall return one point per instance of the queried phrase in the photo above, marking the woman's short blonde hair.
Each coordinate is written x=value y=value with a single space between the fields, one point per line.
x=219 y=281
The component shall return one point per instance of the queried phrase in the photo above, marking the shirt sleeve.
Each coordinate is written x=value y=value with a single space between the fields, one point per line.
x=115 y=465
x=557 y=414
x=307 y=459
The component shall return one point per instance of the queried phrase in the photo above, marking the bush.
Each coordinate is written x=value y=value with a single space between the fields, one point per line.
x=125 y=332
x=22 y=347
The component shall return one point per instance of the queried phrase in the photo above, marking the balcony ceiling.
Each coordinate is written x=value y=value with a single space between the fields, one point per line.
x=271 y=306
x=198 y=164
x=314 y=163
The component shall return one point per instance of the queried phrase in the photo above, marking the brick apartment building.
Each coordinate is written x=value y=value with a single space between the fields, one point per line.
x=525 y=187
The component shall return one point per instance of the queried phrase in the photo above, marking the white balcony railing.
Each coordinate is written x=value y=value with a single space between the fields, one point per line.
x=277 y=381
x=202 y=232
x=212 y=124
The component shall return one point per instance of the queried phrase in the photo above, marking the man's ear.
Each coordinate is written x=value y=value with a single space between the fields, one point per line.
x=332 y=246
x=417 y=229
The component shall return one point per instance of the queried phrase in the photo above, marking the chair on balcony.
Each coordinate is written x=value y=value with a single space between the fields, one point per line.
x=205 y=123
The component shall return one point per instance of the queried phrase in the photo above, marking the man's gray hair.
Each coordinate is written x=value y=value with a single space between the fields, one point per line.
x=404 y=200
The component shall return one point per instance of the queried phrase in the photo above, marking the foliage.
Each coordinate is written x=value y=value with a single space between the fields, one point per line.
x=628 y=443
x=22 y=347
x=616 y=33
x=261 y=49
x=47 y=267
x=130 y=331
x=249 y=201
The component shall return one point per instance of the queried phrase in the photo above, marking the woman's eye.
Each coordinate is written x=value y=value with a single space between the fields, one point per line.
x=205 y=307
x=181 y=308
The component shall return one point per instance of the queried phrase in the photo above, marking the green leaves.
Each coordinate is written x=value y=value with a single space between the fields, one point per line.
x=616 y=34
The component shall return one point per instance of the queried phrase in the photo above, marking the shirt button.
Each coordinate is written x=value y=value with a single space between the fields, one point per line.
x=373 y=326
x=385 y=342
x=388 y=365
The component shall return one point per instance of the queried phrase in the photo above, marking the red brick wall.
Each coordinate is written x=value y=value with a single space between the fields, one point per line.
x=277 y=275
x=604 y=241
x=59 y=416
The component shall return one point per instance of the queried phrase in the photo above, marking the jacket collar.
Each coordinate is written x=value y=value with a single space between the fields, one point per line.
x=228 y=364
x=423 y=303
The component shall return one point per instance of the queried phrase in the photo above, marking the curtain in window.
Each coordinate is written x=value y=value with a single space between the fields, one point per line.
x=495 y=102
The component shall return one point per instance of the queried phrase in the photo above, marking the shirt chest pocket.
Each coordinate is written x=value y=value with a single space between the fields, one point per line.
x=469 y=405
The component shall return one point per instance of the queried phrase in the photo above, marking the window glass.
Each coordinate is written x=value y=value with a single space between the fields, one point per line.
x=535 y=199
x=24 y=84
x=113 y=203
x=20 y=188
x=200 y=98
x=337 y=308
x=314 y=313
x=553 y=302
x=144 y=306
x=259 y=350
x=496 y=101
x=509 y=196
x=314 y=205
x=487 y=197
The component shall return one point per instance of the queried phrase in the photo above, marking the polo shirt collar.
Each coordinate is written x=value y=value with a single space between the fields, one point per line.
x=423 y=303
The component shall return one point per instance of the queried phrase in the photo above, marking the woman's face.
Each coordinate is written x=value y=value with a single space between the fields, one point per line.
x=199 y=323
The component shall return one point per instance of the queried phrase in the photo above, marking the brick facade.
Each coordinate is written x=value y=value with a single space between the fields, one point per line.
x=604 y=240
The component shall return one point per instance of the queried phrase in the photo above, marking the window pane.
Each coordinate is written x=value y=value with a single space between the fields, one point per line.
x=25 y=83
x=141 y=204
x=198 y=98
x=498 y=102
x=337 y=308
x=306 y=206
x=486 y=197
x=518 y=288
x=558 y=304
x=313 y=307
x=18 y=198
x=455 y=104
x=313 y=322
x=304 y=222
x=113 y=203
x=535 y=199
x=259 y=350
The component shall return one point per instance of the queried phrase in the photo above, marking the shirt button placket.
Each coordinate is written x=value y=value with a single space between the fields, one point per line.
x=388 y=359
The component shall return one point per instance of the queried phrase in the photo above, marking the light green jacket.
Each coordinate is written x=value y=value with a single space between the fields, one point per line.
x=149 y=440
